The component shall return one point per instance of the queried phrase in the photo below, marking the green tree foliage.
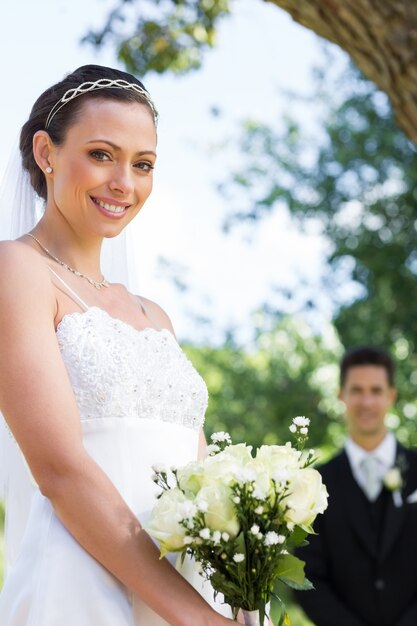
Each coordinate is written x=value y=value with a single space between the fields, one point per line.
x=161 y=35
x=287 y=371
x=167 y=34
x=355 y=178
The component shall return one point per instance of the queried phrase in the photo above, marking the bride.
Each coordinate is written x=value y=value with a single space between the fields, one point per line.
x=93 y=385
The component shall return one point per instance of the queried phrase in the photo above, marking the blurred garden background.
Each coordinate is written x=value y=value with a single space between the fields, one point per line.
x=283 y=223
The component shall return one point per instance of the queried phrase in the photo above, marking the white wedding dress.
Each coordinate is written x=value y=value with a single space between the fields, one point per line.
x=141 y=402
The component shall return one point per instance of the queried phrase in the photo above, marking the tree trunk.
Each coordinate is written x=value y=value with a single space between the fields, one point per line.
x=379 y=35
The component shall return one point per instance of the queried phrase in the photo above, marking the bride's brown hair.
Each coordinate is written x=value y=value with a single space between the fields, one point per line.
x=67 y=115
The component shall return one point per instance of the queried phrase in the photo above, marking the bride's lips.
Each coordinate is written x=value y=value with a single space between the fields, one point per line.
x=99 y=202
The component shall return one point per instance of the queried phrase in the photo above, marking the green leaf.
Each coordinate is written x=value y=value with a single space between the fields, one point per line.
x=278 y=613
x=277 y=610
x=307 y=585
x=292 y=568
x=298 y=536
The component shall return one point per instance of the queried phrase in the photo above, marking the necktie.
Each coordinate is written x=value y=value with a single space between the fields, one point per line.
x=371 y=471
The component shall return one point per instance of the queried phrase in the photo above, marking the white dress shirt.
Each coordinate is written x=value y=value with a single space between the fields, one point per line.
x=385 y=453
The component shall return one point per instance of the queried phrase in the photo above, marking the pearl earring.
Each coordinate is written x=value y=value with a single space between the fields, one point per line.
x=48 y=170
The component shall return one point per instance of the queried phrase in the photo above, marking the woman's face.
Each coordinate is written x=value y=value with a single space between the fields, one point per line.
x=102 y=173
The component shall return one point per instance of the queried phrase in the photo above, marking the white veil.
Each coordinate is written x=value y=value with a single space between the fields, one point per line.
x=20 y=210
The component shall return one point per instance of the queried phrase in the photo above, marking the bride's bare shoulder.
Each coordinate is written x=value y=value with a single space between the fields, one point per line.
x=158 y=314
x=22 y=267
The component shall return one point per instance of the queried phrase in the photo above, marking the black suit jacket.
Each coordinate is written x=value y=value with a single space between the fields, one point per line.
x=358 y=580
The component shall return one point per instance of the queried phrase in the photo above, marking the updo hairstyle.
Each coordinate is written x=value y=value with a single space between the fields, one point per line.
x=65 y=117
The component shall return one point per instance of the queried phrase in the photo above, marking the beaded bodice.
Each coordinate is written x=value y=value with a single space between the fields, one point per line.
x=118 y=371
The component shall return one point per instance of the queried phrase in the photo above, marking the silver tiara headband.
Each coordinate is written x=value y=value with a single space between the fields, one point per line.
x=102 y=83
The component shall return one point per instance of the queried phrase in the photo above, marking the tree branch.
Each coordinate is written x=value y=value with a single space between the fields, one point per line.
x=380 y=36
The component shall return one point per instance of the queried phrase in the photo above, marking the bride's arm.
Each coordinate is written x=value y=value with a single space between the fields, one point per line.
x=39 y=405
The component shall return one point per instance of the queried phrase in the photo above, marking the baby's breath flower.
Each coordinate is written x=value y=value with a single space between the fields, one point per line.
x=301 y=421
x=304 y=430
x=238 y=557
x=159 y=468
x=272 y=538
x=187 y=509
x=212 y=449
x=225 y=536
x=236 y=499
x=255 y=529
x=221 y=436
x=216 y=536
x=202 y=506
x=293 y=428
x=259 y=510
x=204 y=533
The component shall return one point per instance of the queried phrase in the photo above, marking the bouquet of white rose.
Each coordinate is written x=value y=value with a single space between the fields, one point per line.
x=239 y=516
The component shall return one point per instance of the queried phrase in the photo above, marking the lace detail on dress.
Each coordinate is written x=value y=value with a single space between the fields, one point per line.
x=118 y=371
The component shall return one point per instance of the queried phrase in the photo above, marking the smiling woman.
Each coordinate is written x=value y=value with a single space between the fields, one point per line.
x=93 y=385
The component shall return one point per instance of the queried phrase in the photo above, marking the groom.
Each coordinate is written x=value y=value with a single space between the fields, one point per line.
x=363 y=561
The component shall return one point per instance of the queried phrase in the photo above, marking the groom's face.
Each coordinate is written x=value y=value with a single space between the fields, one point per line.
x=367 y=396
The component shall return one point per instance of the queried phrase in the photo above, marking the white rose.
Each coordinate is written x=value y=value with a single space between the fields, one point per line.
x=220 y=514
x=191 y=477
x=393 y=479
x=307 y=497
x=164 y=522
x=274 y=462
x=226 y=465
x=240 y=451
x=261 y=475
x=278 y=457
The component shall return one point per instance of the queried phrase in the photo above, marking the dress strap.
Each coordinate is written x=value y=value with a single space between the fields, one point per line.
x=70 y=291
x=148 y=314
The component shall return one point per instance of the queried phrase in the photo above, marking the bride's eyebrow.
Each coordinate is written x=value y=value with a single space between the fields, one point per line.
x=115 y=147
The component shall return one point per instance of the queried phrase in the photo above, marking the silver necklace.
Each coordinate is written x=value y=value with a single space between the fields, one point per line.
x=97 y=285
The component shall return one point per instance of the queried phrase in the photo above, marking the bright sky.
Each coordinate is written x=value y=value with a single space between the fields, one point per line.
x=260 y=51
